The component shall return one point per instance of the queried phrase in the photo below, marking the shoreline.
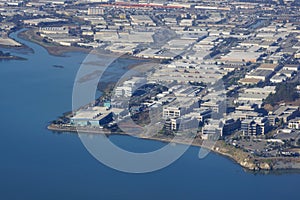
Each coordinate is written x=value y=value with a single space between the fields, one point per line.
x=246 y=160
x=52 y=48
x=243 y=159
x=60 y=51
x=4 y=58
x=10 y=56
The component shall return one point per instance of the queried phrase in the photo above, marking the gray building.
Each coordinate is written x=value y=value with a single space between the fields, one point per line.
x=255 y=126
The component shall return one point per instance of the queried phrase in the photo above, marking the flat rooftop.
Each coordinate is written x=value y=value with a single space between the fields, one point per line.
x=94 y=113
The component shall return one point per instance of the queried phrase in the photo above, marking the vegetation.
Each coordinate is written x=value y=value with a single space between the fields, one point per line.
x=284 y=92
x=2 y=54
x=298 y=142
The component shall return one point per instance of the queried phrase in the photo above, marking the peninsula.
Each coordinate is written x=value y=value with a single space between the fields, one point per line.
x=231 y=70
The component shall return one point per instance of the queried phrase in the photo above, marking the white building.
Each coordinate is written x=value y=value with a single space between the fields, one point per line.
x=142 y=20
x=95 y=116
x=255 y=95
x=212 y=131
x=294 y=123
x=255 y=126
x=291 y=67
x=127 y=88
x=54 y=30
x=95 y=11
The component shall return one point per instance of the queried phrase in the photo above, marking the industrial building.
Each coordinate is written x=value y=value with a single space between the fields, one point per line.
x=95 y=116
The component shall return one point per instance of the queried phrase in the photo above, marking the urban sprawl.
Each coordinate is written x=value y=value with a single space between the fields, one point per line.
x=230 y=67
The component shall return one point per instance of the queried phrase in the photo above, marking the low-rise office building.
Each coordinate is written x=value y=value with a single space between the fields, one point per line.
x=285 y=113
x=255 y=126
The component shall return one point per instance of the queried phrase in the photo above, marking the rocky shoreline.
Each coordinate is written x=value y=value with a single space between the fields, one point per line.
x=244 y=159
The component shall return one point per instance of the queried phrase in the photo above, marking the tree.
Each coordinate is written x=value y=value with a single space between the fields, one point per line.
x=284 y=92
x=298 y=142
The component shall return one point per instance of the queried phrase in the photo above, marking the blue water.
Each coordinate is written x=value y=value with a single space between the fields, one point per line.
x=38 y=164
